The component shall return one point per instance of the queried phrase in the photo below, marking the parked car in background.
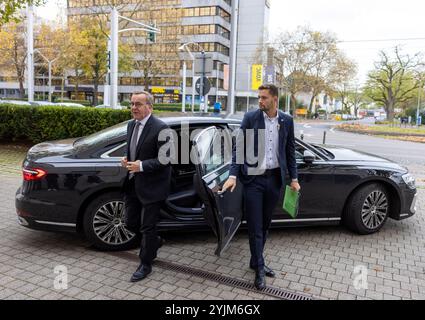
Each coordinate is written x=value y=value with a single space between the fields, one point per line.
x=70 y=104
x=102 y=106
x=75 y=185
x=17 y=102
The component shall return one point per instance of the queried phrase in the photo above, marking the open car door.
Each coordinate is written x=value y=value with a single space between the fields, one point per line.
x=212 y=152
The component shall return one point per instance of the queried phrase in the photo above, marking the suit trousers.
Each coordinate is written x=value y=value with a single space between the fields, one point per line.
x=143 y=219
x=261 y=196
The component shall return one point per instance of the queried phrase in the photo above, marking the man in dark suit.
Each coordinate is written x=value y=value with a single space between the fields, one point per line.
x=147 y=183
x=273 y=150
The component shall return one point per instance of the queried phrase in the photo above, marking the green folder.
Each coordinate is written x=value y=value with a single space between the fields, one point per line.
x=290 y=202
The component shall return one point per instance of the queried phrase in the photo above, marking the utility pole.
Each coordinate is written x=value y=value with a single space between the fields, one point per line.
x=217 y=81
x=419 y=104
x=201 y=87
x=232 y=66
x=30 y=53
x=114 y=49
x=193 y=86
x=184 y=87
x=114 y=59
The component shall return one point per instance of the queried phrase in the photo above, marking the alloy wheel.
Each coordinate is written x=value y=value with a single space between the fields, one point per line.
x=374 y=210
x=109 y=226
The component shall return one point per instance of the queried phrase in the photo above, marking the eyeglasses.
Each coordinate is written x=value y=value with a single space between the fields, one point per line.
x=139 y=104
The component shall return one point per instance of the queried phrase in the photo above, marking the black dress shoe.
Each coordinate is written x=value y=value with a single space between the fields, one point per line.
x=260 y=280
x=268 y=272
x=141 y=273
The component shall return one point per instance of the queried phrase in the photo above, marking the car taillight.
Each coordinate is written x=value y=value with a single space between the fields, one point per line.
x=33 y=174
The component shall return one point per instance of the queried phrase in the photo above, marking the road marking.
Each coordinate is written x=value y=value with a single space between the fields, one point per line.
x=333 y=130
x=307 y=126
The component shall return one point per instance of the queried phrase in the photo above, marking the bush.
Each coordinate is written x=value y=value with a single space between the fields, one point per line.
x=159 y=106
x=36 y=124
x=412 y=113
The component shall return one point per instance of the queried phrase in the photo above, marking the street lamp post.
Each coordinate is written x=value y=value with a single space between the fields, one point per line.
x=184 y=47
x=49 y=63
x=30 y=54
x=419 y=104
x=184 y=87
x=114 y=50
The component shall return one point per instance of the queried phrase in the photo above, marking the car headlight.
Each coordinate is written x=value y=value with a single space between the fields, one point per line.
x=409 y=180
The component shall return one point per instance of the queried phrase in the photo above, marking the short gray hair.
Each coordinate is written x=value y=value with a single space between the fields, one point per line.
x=149 y=97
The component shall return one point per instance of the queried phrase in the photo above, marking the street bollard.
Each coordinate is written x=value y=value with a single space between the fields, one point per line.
x=324 y=137
x=302 y=137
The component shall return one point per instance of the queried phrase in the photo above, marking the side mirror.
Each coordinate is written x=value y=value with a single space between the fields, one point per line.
x=309 y=157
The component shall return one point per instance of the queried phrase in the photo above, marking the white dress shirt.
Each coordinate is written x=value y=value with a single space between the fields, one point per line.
x=271 y=160
x=142 y=125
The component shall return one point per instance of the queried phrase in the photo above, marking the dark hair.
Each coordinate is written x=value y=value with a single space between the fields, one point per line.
x=274 y=91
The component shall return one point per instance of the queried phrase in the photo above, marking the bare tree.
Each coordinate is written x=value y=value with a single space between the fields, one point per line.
x=308 y=59
x=153 y=59
x=342 y=80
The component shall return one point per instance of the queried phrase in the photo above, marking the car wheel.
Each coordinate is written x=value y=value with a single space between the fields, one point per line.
x=367 y=209
x=104 y=224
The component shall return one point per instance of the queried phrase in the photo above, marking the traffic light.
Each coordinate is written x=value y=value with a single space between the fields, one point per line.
x=152 y=35
x=108 y=60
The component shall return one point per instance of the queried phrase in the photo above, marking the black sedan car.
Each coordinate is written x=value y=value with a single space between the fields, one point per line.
x=75 y=185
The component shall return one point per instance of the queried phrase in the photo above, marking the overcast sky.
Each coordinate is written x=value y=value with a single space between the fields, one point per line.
x=353 y=20
x=350 y=20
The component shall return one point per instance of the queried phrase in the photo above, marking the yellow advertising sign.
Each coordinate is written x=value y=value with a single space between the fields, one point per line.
x=158 y=90
x=301 y=112
x=257 y=76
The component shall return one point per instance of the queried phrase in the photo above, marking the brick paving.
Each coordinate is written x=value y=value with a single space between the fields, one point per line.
x=316 y=261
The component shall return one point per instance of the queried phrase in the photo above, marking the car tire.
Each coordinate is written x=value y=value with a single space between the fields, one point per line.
x=104 y=226
x=367 y=209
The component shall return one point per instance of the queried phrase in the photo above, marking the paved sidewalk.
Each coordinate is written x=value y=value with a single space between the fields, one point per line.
x=314 y=261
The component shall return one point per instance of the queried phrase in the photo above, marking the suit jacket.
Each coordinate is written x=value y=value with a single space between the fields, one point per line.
x=286 y=156
x=152 y=185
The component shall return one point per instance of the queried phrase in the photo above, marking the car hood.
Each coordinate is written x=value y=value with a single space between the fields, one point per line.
x=51 y=149
x=349 y=155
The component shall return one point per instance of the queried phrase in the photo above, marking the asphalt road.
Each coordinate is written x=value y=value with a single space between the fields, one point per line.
x=403 y=152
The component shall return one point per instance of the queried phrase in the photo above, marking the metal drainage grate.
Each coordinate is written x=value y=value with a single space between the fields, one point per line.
x=237 y=283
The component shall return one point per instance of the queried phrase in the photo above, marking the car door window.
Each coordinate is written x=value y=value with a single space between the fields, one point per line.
x=224 y=210
x=214 y=149
x=299 y=152
x=118 y=152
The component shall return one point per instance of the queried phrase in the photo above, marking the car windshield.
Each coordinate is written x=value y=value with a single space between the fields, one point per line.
x=101 y=136
x=324 y=151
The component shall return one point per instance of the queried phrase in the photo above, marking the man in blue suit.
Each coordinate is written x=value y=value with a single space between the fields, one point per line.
x=262 y=171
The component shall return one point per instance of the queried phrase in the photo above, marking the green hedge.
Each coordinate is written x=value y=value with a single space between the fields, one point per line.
x=176 y=107
x=37 y=124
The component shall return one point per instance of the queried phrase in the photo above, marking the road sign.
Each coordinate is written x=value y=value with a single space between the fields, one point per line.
x=207 y=86
x=208 y=70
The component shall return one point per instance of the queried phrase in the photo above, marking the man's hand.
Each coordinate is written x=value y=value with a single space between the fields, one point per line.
x=124 y=162
x=229 y=184
x=133 y=167
x=295 y=186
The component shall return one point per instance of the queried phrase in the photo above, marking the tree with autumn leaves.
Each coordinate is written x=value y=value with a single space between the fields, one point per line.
x=80 y=50
x=13 y=53
x=91 y=54
x=10 y=9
